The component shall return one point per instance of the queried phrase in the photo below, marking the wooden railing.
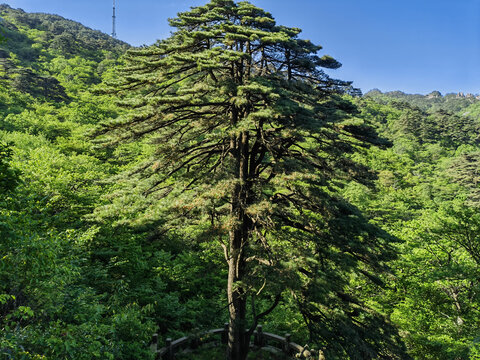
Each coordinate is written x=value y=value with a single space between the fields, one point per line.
x=261 y=341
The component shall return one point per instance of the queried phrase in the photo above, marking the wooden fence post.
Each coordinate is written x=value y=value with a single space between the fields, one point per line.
x=169 y=354
x=225 y=333
x=154 y=343
x=286 y=345
x=258 y=338
x=195 y=342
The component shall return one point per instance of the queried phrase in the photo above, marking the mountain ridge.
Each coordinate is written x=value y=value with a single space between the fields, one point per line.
x=432 y=102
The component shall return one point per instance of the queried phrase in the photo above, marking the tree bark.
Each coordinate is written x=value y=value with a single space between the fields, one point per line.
x=238 y=341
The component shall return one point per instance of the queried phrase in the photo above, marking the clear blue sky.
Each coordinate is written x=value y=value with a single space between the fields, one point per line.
x=416 y=46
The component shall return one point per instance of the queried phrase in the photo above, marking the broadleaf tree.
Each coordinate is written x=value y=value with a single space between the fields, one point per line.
x=252 y=139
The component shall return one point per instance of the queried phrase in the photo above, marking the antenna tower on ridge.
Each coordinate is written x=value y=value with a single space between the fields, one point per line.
x=114 y=33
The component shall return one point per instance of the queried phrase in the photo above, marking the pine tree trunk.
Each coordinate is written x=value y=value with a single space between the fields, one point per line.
x=238 y=344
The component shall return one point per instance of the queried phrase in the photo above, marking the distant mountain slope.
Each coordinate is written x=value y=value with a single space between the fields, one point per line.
x=52 y=58
x=55 y=33
x=433 y=102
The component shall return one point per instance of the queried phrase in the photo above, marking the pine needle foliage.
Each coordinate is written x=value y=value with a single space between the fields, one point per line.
x=252 y=140
x=8 y=176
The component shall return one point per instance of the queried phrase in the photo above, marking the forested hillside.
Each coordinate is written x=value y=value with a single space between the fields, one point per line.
x=433 y=102
x=63 y=290
x=124 y=196
x=427 y=196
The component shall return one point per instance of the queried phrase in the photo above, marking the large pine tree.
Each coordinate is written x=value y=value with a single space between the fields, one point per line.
x=253 y=138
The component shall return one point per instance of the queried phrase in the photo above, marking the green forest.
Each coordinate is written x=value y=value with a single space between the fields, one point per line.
x=222 y=176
